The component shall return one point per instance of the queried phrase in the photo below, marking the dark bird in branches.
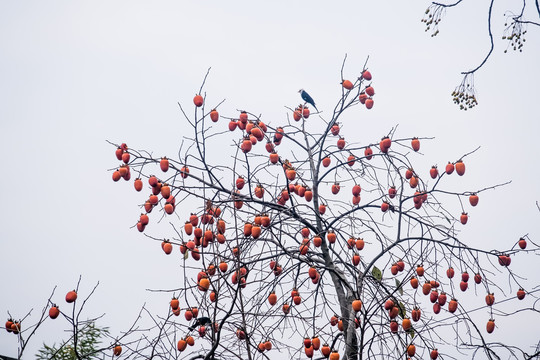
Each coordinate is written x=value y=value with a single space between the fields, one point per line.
x=200 y=322
x=307 y=98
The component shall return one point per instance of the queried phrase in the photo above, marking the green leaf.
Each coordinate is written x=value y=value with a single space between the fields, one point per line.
x=376 y=272
x=411 y=332
x=186 y=255
x=402 y=311
x=398 y=286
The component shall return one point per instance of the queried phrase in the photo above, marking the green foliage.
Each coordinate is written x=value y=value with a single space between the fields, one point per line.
x=87 y=347
x=376 y=272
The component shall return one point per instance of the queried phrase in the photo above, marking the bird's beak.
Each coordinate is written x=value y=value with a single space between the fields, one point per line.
x=300 y=90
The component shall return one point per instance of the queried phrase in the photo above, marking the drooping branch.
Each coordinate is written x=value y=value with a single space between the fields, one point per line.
x=464 y=94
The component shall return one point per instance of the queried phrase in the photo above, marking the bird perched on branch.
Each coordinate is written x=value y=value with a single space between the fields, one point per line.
x=200 y=322
x=307 y=98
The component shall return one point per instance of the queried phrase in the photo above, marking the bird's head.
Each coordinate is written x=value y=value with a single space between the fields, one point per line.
x=300 y=91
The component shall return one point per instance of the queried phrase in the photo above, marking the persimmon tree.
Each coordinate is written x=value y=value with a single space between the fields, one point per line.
x=298 y=240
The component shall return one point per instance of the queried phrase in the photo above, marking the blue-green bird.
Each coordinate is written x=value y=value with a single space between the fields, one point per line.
x=307 y=98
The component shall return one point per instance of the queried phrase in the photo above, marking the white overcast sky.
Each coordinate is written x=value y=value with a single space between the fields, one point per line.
x=74 y=74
